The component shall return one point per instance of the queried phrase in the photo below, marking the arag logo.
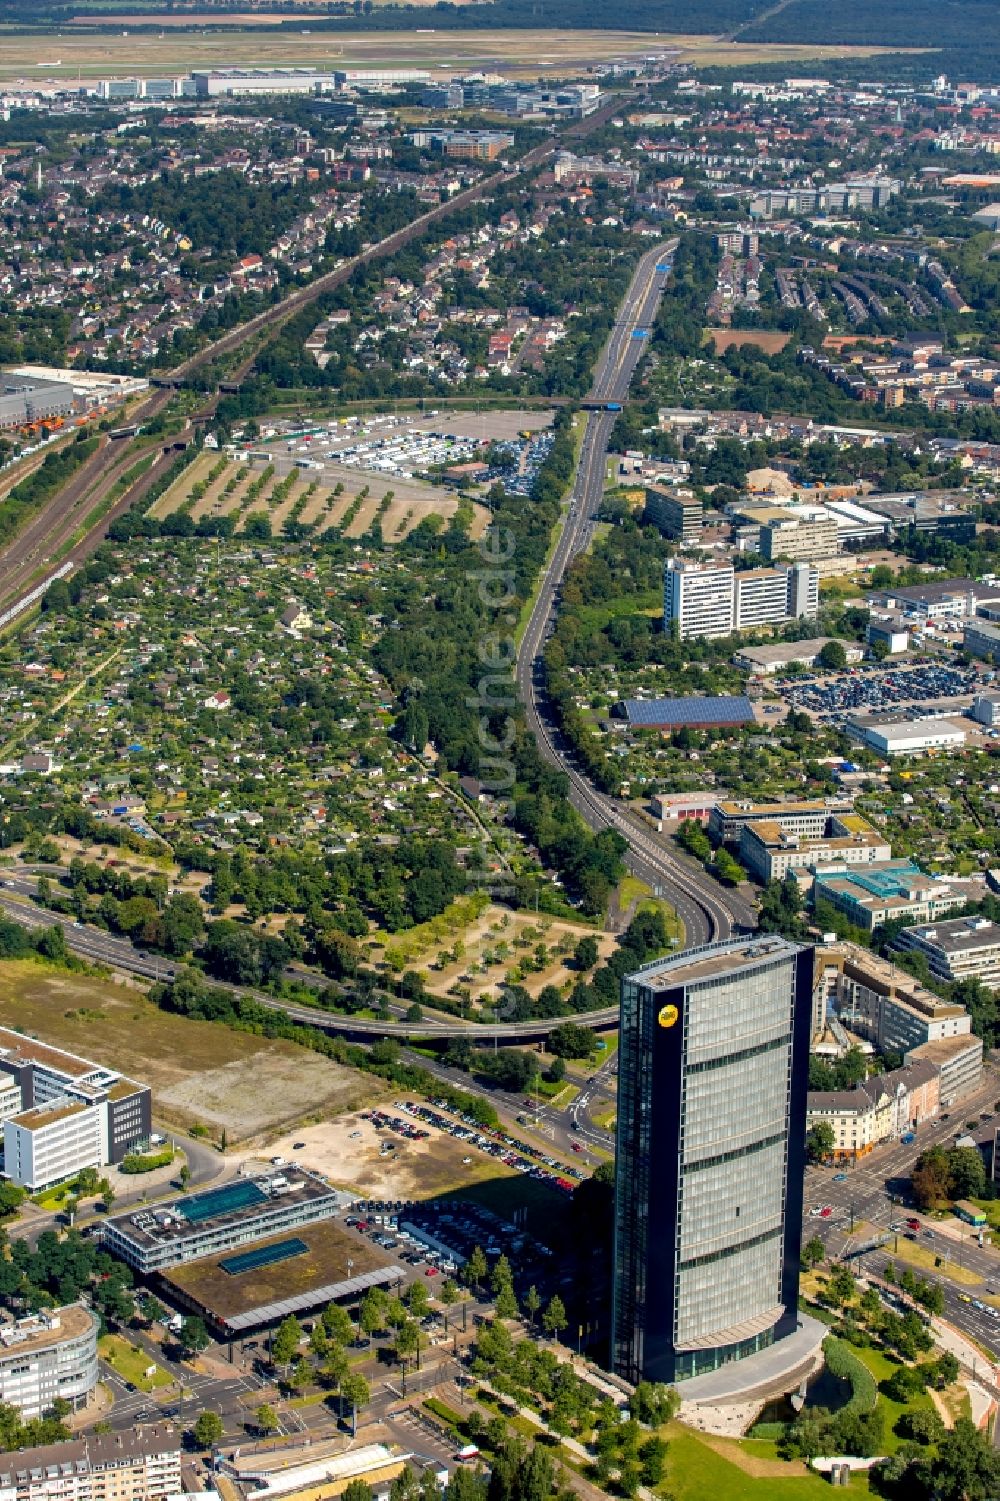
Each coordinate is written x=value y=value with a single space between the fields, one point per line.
x=667 y=1016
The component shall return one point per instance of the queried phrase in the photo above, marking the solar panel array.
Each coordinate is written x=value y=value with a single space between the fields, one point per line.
x=251 y=1261
x=693 y=711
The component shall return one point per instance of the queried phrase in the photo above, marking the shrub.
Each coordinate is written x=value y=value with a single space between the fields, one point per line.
x=137 y=1162
x=842 y=1362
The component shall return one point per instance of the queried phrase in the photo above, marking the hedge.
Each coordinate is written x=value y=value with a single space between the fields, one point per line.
x=134 y=1162
x=842 y=1362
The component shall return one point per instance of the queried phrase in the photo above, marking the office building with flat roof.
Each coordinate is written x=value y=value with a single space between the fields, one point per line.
x=217 y=1219
x=800 y=533
x=895 y=888
x=48 y=1356
x=71 y=1113
x=678 y=514
x=982 y=640
x=769 y=853
x=765 y=661
x=960 y=948
x=908 y=737
x=712 y=1073
x=730 y=816
x=885 y=1005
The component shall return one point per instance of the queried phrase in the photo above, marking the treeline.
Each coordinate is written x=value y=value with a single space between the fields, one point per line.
x=439 y=658
x=32 y=493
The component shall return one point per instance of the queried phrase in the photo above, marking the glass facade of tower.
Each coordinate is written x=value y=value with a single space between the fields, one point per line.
x=712 y=1073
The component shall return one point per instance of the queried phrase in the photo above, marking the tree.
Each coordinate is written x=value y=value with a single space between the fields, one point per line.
x=336 y=1366
x=554 y=1319
x=265 y=1419
x=417 y=1299
x=967 y=1173
x=931 y=1177
x=833 y=656
x=371 y=1315
x=586 y=953
x=966 y=1467
x=355 y=1392
x=532 y=1303
x=337 y=1322
x=358 y=1491
x=447 y=1294
x=152 y=1309
x=924 y=1425
x=653 y=1458
x=286 y=1341
x=944 y=1371
x=475 y=1268
x=813 y=1252
x=208 y=1430
x=820 y=1141
x=506 y=1302
x=193 y=1336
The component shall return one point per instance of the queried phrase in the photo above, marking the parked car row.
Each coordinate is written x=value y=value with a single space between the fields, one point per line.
x=506 y=1149
x=461 y=1226
x=855 y=690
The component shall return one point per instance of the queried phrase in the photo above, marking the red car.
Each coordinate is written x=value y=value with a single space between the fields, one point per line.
x=431 y=1271
x=825 y=1212
x=576 y=1146
x=912 y=1224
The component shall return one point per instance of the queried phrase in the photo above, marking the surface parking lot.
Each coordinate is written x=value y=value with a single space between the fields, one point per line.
x=896 y=688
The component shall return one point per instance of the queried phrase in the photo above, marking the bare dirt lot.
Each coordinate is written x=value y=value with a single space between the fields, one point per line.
x=348 y=1152
x=199 y=1071
x=771 y=341
x=77 y=53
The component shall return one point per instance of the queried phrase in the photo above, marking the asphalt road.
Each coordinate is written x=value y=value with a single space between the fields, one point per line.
x=706 y=913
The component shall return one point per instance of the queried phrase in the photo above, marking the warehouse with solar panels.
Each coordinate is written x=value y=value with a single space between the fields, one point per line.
x=696 y=712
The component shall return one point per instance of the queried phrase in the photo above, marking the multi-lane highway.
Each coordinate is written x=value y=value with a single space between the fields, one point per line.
x=706 y=912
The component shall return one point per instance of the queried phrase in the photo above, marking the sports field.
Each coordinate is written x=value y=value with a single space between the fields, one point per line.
x=79 y=53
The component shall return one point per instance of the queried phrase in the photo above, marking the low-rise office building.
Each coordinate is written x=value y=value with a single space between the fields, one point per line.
x=62 y=1113
x=883 y=1004
x=959 y=949
x=982 y=640
x=141 y=1465
x=887 y=890
x=49 y=1356
x=959 y=1062
x=730 y=816
x=986 y=709
x=215 y=1220
x=769 y=853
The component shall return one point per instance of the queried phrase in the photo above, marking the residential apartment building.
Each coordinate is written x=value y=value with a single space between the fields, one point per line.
x=885 y=890
x=713 y=1065
x=678 y=514
x=885 y=1005
x=769 y=853
x=141 y=1465
x=801 y=533
x=958 y=949
x=876 y=1110
x=714 y=600
x=699 y=598
x=48 y=1356
x=61 y=1113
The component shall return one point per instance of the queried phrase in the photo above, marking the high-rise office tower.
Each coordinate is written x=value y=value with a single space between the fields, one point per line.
x=712 y=1075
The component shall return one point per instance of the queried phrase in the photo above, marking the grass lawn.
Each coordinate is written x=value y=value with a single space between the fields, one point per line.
x=53 y=1199
x=922 y=1256
x=631 y=889
x=699 y=1467
x=882 y=1368
x=131 y=1363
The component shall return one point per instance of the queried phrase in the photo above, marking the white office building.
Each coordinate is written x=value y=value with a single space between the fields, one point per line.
x=46 y=1356
x=61 y=1113
x=714 y=600
x=959 y=948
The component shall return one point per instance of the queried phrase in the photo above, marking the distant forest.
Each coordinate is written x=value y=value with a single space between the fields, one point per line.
x=964 y=33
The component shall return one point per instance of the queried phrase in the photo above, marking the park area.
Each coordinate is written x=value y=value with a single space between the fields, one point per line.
x=132 y=1364
x=201 y=1074
x=478 y=947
